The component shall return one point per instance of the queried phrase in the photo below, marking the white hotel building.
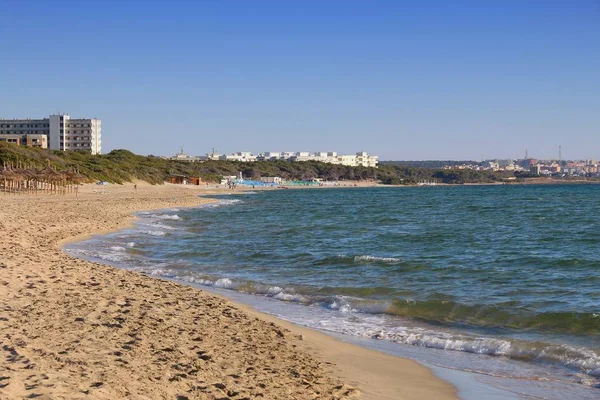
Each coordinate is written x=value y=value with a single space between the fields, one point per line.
x=61 y=131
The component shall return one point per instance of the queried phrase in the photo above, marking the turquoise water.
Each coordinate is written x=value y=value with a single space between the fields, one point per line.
x=504 y=272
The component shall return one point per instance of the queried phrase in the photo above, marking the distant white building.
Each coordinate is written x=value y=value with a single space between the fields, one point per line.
x=365 y=160
x=243 y=156
x=360 y=159
x=214 y=156
x=272 y=155
x=181 y=156
x=307 y=156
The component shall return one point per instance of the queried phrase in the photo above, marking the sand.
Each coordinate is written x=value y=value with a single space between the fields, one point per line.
x=72 y=329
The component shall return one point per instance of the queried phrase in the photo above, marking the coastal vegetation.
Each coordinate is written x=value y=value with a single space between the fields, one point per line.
x=430 y=164
x=120 y=166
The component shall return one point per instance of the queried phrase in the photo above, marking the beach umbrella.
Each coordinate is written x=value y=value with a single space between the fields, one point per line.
x=29 y=175
x=51 y=176
x=7 y=174
x=11 y=176
x=74 y=177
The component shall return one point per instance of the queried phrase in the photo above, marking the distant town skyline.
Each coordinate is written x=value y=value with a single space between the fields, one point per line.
x=404 y=81
x=524 y=155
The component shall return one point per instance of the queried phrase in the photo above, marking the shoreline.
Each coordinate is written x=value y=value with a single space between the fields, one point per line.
x=374 y=184
x=377 y=375
x=329 y=367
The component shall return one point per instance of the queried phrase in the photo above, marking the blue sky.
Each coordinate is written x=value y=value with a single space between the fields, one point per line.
x=404 y=80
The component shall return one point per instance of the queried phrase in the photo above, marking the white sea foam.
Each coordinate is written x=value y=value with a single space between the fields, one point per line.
x=373 y=258
x=341 y=306
x=174 y=274
x=223 y=202
x=273 y=290
x=161 y=226
x=224 y=283
x=583 y=359
x=164 y=272
x=117 y=248
x=204 y=282
x=293 y=297
x=74 y=252
x=230 y=201
x=154 y=233
x=346 y=304
x=167 y=216
x=130 y=244
x=113 y=257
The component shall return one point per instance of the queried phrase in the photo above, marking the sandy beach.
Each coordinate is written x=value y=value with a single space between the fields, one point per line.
x=74 y=329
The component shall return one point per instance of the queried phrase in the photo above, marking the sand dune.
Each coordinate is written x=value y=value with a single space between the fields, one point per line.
x=75 y=329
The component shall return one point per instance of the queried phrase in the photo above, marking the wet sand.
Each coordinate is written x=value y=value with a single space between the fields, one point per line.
x=75 y=329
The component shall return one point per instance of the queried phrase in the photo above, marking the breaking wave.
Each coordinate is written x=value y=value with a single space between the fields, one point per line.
x=358 y=323
x=222 y=202
x=153 y=233
x=374 y=258
x=573 y=357
x=167 y=216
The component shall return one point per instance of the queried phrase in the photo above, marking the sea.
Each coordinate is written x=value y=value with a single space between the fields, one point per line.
x=496 y=288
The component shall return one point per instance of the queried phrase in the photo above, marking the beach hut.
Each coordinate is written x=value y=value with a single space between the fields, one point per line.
x=178 y=179
x=185 y=180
